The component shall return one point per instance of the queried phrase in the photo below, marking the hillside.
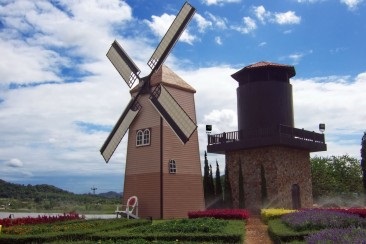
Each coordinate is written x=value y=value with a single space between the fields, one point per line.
x=48 y=197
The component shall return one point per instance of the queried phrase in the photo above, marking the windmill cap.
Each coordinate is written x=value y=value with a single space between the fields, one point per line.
x=167 y=77
x=243 y=75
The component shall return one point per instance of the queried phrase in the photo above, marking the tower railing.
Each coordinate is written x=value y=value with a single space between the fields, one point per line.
x=281 y=132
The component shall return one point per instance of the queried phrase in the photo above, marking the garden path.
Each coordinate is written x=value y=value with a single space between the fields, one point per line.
x=256 y=232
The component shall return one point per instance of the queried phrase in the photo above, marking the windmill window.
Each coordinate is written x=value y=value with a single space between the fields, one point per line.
x=172 y=167
x=143 y=137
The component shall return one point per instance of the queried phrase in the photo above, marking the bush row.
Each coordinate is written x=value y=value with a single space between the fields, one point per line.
x=240 y=214
x=116 y=230
x=38 y=220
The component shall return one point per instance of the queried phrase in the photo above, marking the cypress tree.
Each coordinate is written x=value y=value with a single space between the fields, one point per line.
x=227 y=189
x=218 y=185
x=206 y=180
x=363 y=161
x=212 y=186
x=241 y=187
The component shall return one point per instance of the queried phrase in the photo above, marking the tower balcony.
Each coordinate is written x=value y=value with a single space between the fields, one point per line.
x=281 y=135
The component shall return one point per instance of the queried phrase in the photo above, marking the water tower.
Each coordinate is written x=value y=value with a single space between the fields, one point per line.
x=274 y=155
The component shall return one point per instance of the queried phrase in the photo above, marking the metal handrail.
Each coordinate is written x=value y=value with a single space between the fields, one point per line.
x=283 y=131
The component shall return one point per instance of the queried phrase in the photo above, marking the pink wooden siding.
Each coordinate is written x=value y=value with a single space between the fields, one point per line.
x=183 y=191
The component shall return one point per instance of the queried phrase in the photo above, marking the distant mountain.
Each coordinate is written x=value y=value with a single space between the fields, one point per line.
x=44 y=191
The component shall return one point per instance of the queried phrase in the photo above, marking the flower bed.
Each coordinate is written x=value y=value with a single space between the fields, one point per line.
x=274 y=213
x=317 y=219
x=344 y=235
x=207 y=230
x=220 y=214
x=38 y=220
x=359 y=211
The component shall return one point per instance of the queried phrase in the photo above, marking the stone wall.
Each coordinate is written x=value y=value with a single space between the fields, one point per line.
x=283 y=167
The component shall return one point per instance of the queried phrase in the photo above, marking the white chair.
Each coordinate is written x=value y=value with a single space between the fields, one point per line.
x=131 y=211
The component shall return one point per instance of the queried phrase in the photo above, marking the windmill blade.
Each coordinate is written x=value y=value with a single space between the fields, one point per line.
x=171 y=37
x=120 y=129
x=173 y=114
x=123 y=64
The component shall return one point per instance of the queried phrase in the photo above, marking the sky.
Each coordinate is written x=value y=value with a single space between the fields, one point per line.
x=60 y=96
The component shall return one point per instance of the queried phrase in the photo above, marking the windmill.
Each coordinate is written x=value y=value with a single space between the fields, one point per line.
x=158 y=101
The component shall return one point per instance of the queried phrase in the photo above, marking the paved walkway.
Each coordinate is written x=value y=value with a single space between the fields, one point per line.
x=256 y=232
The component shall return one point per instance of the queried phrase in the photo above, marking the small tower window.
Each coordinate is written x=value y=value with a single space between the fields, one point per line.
x=172 y=166
x=143 y=137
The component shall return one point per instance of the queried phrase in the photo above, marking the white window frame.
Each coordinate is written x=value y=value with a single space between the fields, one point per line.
x=143 y=137
x=172 y=166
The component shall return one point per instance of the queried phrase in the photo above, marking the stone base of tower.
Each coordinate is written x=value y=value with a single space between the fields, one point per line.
x=273 y=177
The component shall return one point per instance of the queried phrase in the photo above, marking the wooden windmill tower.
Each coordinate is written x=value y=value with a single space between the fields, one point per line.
x=163 y=167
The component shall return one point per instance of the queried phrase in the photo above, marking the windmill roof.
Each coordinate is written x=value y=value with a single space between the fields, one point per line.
x=289 y=69
x=167 y=77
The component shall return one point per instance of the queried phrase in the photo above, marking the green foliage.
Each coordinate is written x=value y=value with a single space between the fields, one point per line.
x=363 y=160
x=218 y=186
x=227 y=189
x=281 y=233
x=128 y=231
x=204 y=225
x=333 y=176
x=206 y=182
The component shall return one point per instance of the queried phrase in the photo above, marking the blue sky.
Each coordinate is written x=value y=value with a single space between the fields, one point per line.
x=60 y=96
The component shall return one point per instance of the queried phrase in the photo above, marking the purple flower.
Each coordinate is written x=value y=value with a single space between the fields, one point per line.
x=346 y=235
x=318 y=219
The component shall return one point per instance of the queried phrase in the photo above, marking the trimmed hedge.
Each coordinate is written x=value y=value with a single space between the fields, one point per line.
x=121 y=230
x=220 y=214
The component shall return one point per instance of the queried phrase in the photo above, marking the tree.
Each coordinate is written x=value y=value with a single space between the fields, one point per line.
x=363 y=160
x=206 y=180
x=212 y=186
x=241 y=187
x=228 y=202
x=218 y=186
x=335 y=175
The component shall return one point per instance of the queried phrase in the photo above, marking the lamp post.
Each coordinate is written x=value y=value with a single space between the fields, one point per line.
x=321 y=127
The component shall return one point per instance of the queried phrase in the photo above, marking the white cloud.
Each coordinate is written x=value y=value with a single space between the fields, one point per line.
x=219 y=2
x=15 y=163
x=337 y=102
x=352 y=4
x=261 y=13
x=218 y=40
x=218 y=22
x=160 y=25
x=202 y=23
x=248 y=27
x=286 y=18
x=282 y=18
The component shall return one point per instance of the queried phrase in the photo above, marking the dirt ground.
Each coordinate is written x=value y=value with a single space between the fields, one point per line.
x=256 y=232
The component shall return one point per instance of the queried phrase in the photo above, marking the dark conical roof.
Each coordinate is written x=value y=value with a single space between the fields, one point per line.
x=244 y=73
